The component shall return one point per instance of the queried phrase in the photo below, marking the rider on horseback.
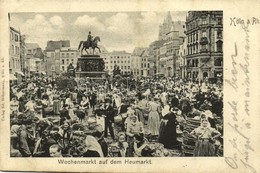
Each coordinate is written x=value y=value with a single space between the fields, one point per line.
x=90 y=38
x=90 y=43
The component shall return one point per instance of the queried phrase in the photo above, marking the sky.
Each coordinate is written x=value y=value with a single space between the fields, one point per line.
x=118 y=30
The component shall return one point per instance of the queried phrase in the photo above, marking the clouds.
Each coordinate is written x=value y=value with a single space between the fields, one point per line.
x=118 y=31
x=120 y=23
x=91 y=22
x=39 y=28
x=57 y=21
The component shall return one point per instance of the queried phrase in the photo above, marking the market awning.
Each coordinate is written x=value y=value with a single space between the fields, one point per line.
x=12 y=77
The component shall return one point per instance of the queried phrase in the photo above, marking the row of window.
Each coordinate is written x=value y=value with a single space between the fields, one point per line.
x=14 y=37
x=67 y=61
x=195 y=62
x=121 y=67
x=143 y=65
x=195 y=74
x=15 y=64
x=15 y=50
x=194 y=36
x=117 y=62
x=63 y=54
x=195 y=48
x=203 y=21
x=117 y=57
x=141 y=72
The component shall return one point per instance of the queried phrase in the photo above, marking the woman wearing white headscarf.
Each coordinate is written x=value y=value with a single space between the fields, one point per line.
x=167 y=132
x=132 y=128
x=205 y=136
x=93 y=148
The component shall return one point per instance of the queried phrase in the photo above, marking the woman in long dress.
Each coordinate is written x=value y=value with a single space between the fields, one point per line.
x=205 y=136
x=167 y=133
x=56 y=104
x=153 y=118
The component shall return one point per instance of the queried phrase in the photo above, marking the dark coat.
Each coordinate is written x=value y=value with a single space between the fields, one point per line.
x=91 y=153
x=168 y=135
x=110 y=113
x=104 y=146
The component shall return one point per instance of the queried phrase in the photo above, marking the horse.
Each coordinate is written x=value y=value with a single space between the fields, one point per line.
x=87 y=45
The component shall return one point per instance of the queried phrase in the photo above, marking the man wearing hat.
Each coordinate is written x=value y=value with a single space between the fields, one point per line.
x=109 y=118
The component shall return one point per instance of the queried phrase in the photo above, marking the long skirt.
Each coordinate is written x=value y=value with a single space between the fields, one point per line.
x=130 y=149
x=204 y=148
x=154 y=123
x=140 y=115
x=56 y=107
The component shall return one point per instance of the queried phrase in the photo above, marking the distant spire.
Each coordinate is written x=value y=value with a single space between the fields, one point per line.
x=169 y=17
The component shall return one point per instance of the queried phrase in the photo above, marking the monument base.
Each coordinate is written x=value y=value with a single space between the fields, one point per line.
x=91 y=66
x=94 y=74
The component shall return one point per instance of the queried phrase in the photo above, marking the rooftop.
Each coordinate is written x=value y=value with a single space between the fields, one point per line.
x=15 y=30
x=139 y=51
x=120 y=52
x=31 y=45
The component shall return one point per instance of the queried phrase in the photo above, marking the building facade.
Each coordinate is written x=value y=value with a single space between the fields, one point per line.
x=33 y=59
x=169 y=54
x=141 y=62
x=68 y=56
x=170 y=25
x=172 y=33
x=154 y=52
x=119 y=58
x=181 y=66
x=204 y=44
x=15 y=63
x=52 y=56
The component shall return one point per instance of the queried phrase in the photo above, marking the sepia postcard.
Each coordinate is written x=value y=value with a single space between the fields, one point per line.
x=129 y=86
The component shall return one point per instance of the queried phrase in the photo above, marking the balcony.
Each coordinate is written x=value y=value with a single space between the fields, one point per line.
x=204 y=50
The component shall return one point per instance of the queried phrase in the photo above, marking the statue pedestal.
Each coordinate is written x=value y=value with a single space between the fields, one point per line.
x=91 y=66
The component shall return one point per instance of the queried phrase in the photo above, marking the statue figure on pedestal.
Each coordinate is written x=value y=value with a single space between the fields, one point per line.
x=71 y=70
x=90 y=43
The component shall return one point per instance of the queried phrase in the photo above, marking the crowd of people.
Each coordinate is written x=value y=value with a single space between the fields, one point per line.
x=102 y=120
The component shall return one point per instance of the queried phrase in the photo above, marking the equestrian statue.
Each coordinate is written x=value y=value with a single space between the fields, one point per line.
x=90 y=43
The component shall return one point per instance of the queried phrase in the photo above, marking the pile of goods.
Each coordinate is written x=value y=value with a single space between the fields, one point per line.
x=188 y=143
x=160 y=151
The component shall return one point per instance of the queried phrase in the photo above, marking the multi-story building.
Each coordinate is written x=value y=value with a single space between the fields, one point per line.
x=68 y=56
x=169 y=25
x=154 y=52
x=33 y=58
x=169 y=54
x=140 y=62
x=172 y=33
x=119 y=58
x=181 y=70
x=204 y=44
x=15 y=67
x=52 y=56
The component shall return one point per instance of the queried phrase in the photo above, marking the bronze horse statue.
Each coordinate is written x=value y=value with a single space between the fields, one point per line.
x=88 y=44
